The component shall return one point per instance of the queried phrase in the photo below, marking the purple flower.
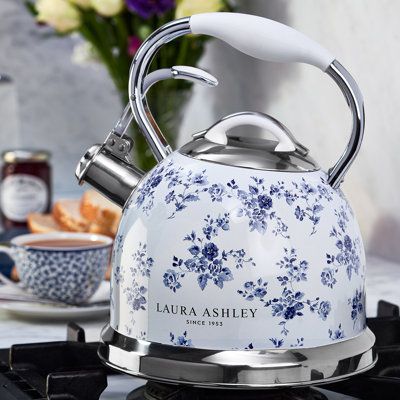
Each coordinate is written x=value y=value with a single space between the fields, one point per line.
x=133 y=45
x=147 y=8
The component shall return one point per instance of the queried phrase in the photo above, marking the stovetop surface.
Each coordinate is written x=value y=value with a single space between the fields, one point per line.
x=71 y=370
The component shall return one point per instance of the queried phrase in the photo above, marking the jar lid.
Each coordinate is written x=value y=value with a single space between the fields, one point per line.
x=25 y=155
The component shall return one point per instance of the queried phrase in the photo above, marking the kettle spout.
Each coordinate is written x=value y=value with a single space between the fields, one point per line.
x=112 y=176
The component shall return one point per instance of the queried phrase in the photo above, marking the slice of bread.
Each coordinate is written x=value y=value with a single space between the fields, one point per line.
x=103 y=214
x=67 y=214
x=107 y=275
x=114 y=226
x=42 y=223
x=101 y=229
x=15 y=277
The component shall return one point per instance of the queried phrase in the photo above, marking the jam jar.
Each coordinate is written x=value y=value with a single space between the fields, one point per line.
x=25 y=186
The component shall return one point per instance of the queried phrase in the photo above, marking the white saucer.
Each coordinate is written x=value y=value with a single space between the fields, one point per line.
x=54 y=312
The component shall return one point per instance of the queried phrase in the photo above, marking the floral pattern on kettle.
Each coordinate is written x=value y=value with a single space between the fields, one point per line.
x=257 y=198
x=180 y=340
x=278 y=343
x=216 y=226
x=357 y=307
x=292 y=302
x=336 y=334
x=117 y=248
x=307 y=198
x=257 y=207
x=348 y=251
x=182 y=188
x=205 y=258
x=136 y=293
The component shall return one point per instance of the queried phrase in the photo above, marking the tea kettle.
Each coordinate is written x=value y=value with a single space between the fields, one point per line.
x=238 y=262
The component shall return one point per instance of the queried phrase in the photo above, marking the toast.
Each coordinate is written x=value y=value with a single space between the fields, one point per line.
x=68 y=216
x=42 y=223
x=101 y=212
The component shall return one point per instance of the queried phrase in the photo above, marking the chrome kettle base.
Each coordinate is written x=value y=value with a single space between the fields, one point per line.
x=245 y=369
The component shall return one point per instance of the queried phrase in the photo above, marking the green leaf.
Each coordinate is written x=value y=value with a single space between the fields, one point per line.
x=30 y=6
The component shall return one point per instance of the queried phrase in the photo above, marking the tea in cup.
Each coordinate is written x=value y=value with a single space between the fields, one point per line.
x=61 y=266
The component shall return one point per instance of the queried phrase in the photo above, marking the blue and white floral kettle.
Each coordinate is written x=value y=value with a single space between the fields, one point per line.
x=238 y=262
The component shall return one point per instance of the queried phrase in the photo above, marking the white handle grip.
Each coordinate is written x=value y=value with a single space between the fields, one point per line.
x=262 y=38
x=217 y=133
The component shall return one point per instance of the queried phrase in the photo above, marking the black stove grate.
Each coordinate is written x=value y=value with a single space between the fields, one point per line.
x=71 y=370
x=56 y=371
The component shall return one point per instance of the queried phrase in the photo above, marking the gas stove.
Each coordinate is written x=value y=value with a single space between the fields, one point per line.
x=71 y=370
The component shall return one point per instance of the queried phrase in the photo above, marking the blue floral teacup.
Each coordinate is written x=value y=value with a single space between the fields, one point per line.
x=67 y=267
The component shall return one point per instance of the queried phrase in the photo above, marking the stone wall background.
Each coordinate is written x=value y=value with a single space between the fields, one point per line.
x=65 y=107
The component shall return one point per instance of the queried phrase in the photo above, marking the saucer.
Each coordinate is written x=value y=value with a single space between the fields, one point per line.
x=64 y=312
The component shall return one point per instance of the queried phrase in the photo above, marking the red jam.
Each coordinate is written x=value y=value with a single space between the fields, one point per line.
x=25 y=186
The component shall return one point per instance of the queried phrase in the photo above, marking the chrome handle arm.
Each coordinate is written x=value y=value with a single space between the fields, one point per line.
x=183 y=72
x=139 y=68
x=354 y=99
x=116 y=140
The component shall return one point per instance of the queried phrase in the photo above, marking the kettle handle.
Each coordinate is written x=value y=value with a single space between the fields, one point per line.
x=270 y=41
x=262 y=38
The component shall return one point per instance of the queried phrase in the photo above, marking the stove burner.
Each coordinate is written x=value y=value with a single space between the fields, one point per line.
x=364 y=387
x=154 y=391
x=71 y=370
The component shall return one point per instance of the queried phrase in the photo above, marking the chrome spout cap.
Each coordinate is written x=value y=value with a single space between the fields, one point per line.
x=111 y=176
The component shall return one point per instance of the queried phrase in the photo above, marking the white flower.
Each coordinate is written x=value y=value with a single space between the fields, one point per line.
x=59 y=14
x=81 y=3
x=84 y=54
x=107 y=8
x=186 y=8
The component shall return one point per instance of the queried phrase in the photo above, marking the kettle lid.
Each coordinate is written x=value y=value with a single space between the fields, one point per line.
x=254 y=152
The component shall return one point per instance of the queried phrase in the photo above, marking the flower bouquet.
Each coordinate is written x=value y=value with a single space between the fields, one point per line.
x=114 y=30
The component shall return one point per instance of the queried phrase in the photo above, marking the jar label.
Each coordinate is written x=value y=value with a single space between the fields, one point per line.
x=22 y=194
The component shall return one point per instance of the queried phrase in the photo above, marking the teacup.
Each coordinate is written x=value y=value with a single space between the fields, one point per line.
x=61 y=266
